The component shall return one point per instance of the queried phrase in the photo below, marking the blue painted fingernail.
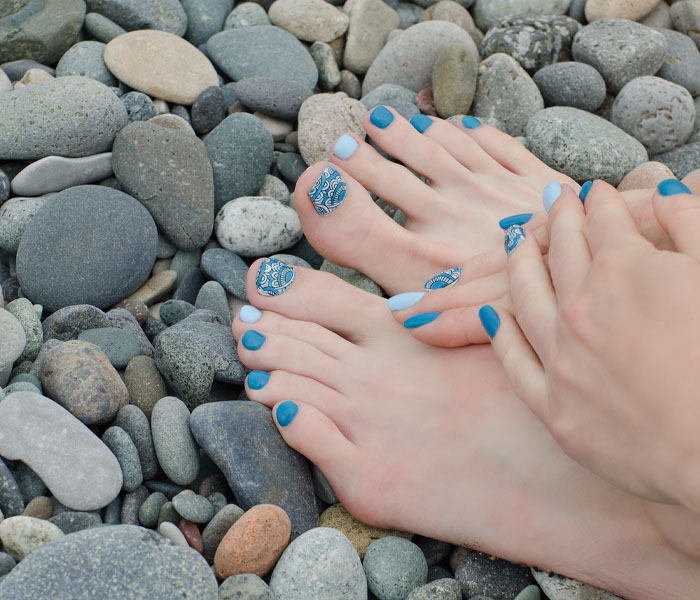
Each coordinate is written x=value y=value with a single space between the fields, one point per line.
x=550 y=194
x=286 y=412
x=489 y=319
x=470 y=122
x=421 y=122
x=252 y=340
x=274 y=277
x=585 y=188
x=405 y=300
x=381 y=117
x=257 y=379
x=345 y=146
x=420 y=319
x=328 y=191
x=249 y=314
x=443 y=279
x=669 y=187
x=515 y=235
x=514 y=220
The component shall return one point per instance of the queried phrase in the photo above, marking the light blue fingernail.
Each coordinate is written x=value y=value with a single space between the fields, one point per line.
x=252 y=340
x=345 y=146
x=514 y=220
x=249 y=314
x=274 y=277
x=420 y=320
x=489 y=319
x=470 y=122
x=381 y=117
x=405 y=300
x=585 y=188
x=286 y=412
x=444 y=279
x=257 y=379
x=421 y=122
x=515 y=235
x=551 y=192
x=669 y=187
x=328 y=191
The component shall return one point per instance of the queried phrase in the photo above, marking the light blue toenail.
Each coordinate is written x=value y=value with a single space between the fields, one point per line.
x=585 y=188
x=514 y=220
x=381 y=117
x=420 y=320
x=443 y=279
x=252 y=340
x=669 y=187
x=257 y=379
x=550 y=194
x=421 y=122
x=515 y=235
x=403 y=301
x=274 y=277
x=345 y=146
x=328 y=191
x=249 y=314
x=470 y=122
x=286 y=412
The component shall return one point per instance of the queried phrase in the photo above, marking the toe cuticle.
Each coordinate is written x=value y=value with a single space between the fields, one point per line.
x=329 y=190
x=252 y=340
x=381 y=117
x=420 y=319
x=257 y=379
x=274 y=277
x=441 y=280
x=286 y=412
x=249 y=314
x=404 y=301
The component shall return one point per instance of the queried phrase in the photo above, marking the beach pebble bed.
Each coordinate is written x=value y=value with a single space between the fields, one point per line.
x=148 y=154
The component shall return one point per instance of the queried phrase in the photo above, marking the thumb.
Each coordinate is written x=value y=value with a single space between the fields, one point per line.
x=678 y=213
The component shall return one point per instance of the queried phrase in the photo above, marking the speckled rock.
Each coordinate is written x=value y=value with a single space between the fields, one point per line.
x=646 y=175
x=682 y=62
x=150 y=509
x=7 y=563
x=13 y=339
x=163 y=15
x=681 y=160
x=244 y=587
x=85 y=59
x=274 y=188
x=226 y=268
x=193 y=507
x=72 y=521
x=138 y=106
x=175 y=448
x=67 y=323
x=440 y=589
x=212 y=296
x=121 y=318
x=571 y=84
x=119 y=345
x=247 y=14
x=216 y=529
x=134 y=421
x=370 y=23
x=15 y=216
x=144 y=383
x=327 y=65
x=309 y=20
x=489 y=12
x=119 y=442
x=499 y=579
x=557 y=587
x=204 y=18
x=394 y=566
x=454 y=80
x=11 y=501
x=22 y=535
x=101 y=28
x=633 y=10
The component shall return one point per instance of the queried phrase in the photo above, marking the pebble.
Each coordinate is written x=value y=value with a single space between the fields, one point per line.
x=633 y=10
x=165 y=15
x=15 y=69
x=172 y=532
x=291 y=165
x=241 y=587
x=31 y=77
x=247 y=14
x=278 y=128
x=440 y=589
x=274 y=188
x=320 y=564
x=138 y=106
x=571 y=84
x=582 y=145
x=168 y=514
x=183 y=261
x=327 y=65
x=175 y=448
x=454 y=12
x=454 y=80
x=67 y=323
x=212 y=296
x=13 y=339
x=659 y=17
x=350 y=84
x=71 y=521
x=192 y=535
x=309 y=20
x=130 y=505
x=620 y=50
x=228 y=269
x=204 y=18
x=686 y=18
x=171 y=121
x=435 y=551
x=531 y=592
x=369 y=25
x=646 y=175
x=4 y=188
x=102 y=28
x=5 y=83
x=208 y=110
x=150 y=509
x=85 y=59
x=121 y=318
x=145 y=384
x=322 y=487
x=254 y=542
x=119 y=345
x=681 y=160
x=156 y=288
x=682 y=62
x=174 y=311
x=557 y=587
x=394 y=566
x=7 y=563
x=217 y=528
x=278 y=97
x=499 y=579
x=488 y=13
x=193 y=507
x=11 y=501
x=21 y=536
x=119 y=442
x=39 y=507
x=15 y=215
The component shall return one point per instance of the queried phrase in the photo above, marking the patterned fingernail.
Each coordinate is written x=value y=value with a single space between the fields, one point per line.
x=257 y=379
x=515 y=235
x=403 y=301
x=274 y=277
x=328 y=191
x=669 y=187
x=489 y=319
x=249 y=314
x=381 y=117
x=514 y=220
x=252 y=340
x=420 y=319
x=286 y=412
x=443 y=279
x=345 y=146
x=421 y=122
x=550 y=194
x=585 y=188
x=470 y=122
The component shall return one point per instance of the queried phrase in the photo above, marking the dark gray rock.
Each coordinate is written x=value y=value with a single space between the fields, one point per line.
x=212 y=297
x=166 y=15
x=434 y=551
x=168 y=488
x=499 y=579
x=204 y=18
x=112 y=512
x=119 y=345
x=177 y=453
x=189 y=287
x=291 y=165
x=150 y=509
x=134 y=421
x=11 y=501
x=168 y=514
x=682 y=62
x=29 y=482
x=7 y=563
x=208 y=110
x=193 y=507
x=681 y=160
x=216 y=529
x=121 y=318
x=278 y=97
x=67 y=323
x=183 y=261
x=4 y=190
x=72 y=521
x=571 y=84
x=165 y=248
x=120 y=444
x=228 y=269
x=438 y=572
x=139 y=107
x=174 y=311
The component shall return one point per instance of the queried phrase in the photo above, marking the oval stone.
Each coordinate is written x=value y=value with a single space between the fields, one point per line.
x=394 y=566
x=119 y=345
x=165 y=15
x=85 y=60
x=175 y=448
x=280 y=98
x=22 y=535
x=309 y=20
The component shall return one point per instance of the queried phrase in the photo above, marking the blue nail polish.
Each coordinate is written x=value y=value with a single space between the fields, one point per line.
x=514 y=220
x=286 y=412
x=420 y=319
x=405 y=300
x=550 y=194
x=443 y=279
x=274 y=277
x=421 y=122
x=381 y=117
x=489 y=319
x=252 y=340
x=585 y=188
x=249 y=314
x=470 y=122
x=328 y=191
x=515 y=235
x=669 y=187
x=257 y=379
x=345 y=146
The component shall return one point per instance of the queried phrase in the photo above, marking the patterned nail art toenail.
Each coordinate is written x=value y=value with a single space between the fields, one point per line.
x=420 y=319
x=489 y=319
x=403 y=301
x=257 y=379
x=345 y=146
x=328 y=191
x=669 y=187
x=421 y=122
x=585 y=188
x=515 y=235
x=252 y=340
x=274 y=277
x=286 y=412
x=443 y=279
x=514 y=220
x=381 y=117
x=470 y=122
x=249 y=314
x=551 y=194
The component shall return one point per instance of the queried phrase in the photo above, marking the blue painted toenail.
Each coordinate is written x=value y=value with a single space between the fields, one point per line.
x=381 y=117
x=252 y=340
x=585 y=188
x=403 y=301
x=249 y=314
x=328 y=191
x=470 y=122
x=345 y=146
x=257 y=379
x=420 y=320
x=443 y=279
x=421 y=122
x=274 y=277
x=489 y=319
x=515 y=235
x=551 y=194
x=669 y=187
x=514 y=220
x=286 y=412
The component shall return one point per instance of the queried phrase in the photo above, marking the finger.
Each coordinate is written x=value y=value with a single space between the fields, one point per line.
x=453 y=328
x=678 y=213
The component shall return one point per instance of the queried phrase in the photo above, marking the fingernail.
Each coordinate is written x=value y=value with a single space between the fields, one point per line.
x=249 y=314
x=405 y=300
x=669 y=187
x=489 y=319
x=274 y=277
x=420 y=319
x=381 y=117
x=328 y=191
x=345 y=146
x=551 y=192
x=443 y=279
x=286 y=412
x=470 y=122
x=257 y=379
x=421 y=122
x=252 y=340
x=585 y=188
x=515 y=235
x=514 y=220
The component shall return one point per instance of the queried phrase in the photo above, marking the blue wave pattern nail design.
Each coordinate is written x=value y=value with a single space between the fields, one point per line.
x=515 y=235
x=328 y=191
x=444 y=279
x=274 y=277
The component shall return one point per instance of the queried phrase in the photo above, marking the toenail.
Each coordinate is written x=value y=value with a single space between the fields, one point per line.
x=286 y=412
x=345 y=146
x=669 y=187
x=470 y=122
x=257 y=379
x=585 y=188
x=515 y=235
x=405 y=300
x=421 y=122
x=328 y=191
x=252 y=340
x=443 y=279
x=249 y=314
x=550 y=194
x=420 y=319
x=514 y=220
x=489 y=319
x=381 y=117
x=274 y=277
